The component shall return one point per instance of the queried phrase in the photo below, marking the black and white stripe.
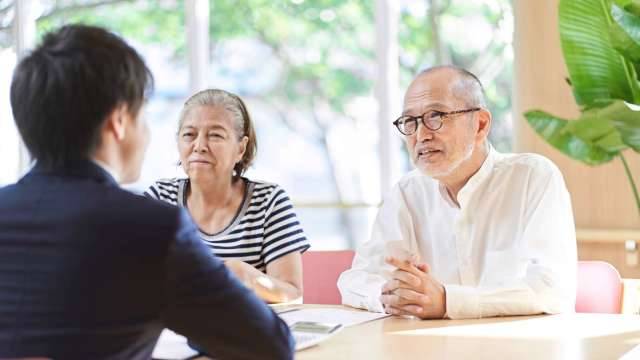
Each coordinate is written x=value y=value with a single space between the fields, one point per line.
x=265 y=229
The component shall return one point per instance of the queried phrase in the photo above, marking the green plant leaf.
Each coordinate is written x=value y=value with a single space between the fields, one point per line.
x=627 y=123
x=596 y=69
x=611 y=143
x=613 y=128
x=590 y=127
x=632 y=6
x=557 y=133
x=629 y=22
x=598 y=132
x=617 y=117
x=625 y=35
x=597 y=126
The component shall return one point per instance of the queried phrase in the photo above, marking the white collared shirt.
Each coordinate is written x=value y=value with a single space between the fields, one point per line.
x=509 y=249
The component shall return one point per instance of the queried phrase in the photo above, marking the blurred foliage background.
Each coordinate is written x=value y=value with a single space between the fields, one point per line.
x=307 y=70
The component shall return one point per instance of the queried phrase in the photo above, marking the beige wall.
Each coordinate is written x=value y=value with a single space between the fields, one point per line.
x=602 y=197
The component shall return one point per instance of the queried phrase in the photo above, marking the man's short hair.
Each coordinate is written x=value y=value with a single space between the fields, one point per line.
x=467 y=88
x=62 y=92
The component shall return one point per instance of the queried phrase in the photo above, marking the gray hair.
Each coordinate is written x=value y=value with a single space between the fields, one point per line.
x=466 y=87
x=241 y=119
x=215 y=97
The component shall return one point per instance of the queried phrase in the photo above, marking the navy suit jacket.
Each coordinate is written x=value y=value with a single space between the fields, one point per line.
x=90 y=271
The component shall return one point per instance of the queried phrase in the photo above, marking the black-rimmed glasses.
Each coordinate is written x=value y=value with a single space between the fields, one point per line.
x=432 y=120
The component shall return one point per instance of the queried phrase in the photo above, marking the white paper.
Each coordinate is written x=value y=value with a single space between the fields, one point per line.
x=634 y=353
x=345 y=317
x=172 y=346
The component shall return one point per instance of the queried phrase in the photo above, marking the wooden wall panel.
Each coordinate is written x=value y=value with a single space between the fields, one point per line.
x=613 y=254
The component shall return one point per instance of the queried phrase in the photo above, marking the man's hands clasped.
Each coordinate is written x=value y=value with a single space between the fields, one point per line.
x=413 y=291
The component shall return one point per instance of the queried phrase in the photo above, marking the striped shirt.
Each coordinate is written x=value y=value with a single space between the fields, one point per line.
x=264 y=229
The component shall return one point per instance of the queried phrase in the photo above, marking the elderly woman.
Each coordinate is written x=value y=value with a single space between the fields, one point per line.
x=249 y=224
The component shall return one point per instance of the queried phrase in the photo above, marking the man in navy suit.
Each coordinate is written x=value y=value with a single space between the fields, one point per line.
x=88 y=270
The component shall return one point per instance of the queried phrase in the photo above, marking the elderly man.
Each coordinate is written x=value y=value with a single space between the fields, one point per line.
x=472 y=232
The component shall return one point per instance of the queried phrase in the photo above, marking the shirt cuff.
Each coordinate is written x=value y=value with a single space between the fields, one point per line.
x=463 y=302
x=365 y=297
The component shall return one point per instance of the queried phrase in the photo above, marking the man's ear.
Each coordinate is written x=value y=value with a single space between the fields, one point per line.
x=117 y=122
x=484 y=124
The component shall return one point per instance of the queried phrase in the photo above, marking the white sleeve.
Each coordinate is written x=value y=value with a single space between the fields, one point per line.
x=548 y=245
x=393 y=233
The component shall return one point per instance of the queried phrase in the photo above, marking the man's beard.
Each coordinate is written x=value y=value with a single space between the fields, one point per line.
x=468 y=152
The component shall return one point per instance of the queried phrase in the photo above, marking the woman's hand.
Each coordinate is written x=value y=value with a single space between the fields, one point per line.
x=274 y=287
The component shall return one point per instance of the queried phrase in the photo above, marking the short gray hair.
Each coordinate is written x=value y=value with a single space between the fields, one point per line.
x=241 y=119
x=467 y=87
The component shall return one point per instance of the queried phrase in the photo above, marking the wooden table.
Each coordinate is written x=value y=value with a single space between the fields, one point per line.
x=571 y=336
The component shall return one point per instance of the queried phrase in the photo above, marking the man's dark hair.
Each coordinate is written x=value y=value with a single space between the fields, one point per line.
x=62 y=92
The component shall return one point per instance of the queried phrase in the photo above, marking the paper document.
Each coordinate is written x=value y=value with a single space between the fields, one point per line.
x=634 y=353
x=328 y=315
x=172 y=346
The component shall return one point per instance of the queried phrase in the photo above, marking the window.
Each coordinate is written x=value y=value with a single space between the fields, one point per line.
x=311 y=98
x=307 y=71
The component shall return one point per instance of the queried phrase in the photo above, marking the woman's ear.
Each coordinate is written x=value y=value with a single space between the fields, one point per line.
x=242 y=148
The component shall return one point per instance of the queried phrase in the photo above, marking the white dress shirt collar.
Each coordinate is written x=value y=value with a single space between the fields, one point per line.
x=473 y=183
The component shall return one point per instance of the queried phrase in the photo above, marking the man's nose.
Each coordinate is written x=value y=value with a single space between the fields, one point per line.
x=423 y=133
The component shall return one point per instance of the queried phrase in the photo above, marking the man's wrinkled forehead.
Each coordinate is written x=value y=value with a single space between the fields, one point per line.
x=433 y=90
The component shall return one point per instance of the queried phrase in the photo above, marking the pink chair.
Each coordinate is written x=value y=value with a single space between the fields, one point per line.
x=321 y=270
x=599 y=288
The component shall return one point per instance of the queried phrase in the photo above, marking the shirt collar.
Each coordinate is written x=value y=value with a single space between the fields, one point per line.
x=474 y=181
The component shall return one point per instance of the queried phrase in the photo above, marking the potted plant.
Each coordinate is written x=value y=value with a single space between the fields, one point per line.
x=601 y=46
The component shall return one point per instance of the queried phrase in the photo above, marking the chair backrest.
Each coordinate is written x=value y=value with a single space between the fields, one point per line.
x=599 y=288
x=320 y=273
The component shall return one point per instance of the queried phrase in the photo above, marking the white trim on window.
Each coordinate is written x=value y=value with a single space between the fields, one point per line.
x=197 y=32
x=24 y=27
x=386 y=87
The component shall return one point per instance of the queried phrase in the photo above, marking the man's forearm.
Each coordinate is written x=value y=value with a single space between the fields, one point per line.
x=464 y=302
